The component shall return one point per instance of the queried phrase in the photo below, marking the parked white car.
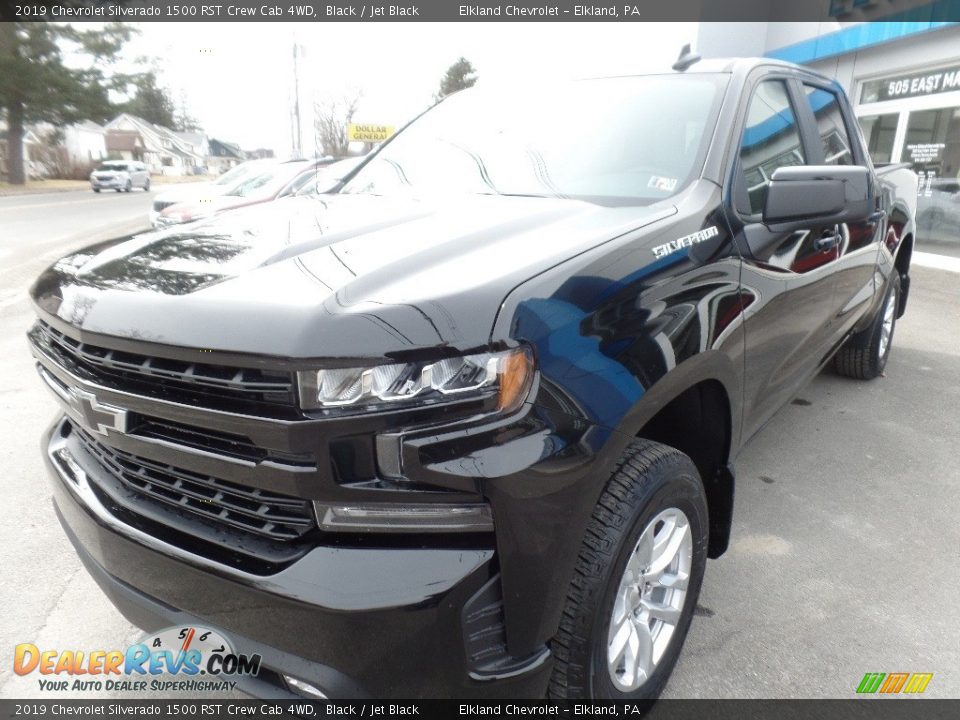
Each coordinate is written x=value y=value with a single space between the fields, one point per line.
x=195 y=191
x=120 y=175
x=325 y=179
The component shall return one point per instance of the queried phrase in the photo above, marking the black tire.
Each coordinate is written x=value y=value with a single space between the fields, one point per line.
x=119 y=189
x=146 y=186
x=96 y=190
x=129 y=186
x=861 y=356
x=647 y=480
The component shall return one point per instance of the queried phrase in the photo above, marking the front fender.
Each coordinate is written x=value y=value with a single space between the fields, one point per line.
x=617 y=333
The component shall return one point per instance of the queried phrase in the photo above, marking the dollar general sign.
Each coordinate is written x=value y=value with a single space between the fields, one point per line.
x=368 y=133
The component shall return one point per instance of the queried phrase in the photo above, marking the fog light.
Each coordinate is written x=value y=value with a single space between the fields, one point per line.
x=304 y=688
x=389 y=517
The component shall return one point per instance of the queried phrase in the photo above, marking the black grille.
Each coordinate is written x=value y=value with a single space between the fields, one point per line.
x=251 y=510
x=227 y=444
x=200 y=384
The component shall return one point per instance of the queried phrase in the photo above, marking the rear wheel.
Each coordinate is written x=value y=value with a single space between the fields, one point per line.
x=128 y=187
x=96 y=190
x=146 y=185
x=864 y=356
x=637 y=579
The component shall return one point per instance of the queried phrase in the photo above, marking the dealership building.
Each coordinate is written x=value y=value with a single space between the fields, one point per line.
x=901 y=69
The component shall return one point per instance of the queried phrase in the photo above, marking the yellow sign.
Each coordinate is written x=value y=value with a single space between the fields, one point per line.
x=368 y=133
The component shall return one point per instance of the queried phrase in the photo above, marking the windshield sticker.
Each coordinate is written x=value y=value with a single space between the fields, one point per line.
x=661 y=251
x=666 y=184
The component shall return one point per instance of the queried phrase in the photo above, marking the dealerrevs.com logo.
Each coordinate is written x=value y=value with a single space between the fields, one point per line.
x=182 y=652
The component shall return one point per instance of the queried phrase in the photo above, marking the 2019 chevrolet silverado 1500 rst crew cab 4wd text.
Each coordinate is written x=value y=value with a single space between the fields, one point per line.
x=466 y=425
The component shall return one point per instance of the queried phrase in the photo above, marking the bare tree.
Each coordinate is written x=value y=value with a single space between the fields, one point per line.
x=331 y=118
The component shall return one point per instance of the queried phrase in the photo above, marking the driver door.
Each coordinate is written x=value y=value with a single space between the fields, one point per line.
x=788 y=278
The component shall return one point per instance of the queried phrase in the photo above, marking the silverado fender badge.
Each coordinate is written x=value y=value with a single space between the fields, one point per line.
x=661 y=251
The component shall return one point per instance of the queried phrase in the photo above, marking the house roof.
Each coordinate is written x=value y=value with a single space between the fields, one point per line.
x=89 y=125
x=29 y=137
x=123 y=140
x=194 y=138
x=155 y=136
x=231 y=148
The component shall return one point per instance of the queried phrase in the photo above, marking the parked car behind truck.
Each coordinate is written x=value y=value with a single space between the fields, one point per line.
x=199 y=191
x=265 y=183
x=467 y=426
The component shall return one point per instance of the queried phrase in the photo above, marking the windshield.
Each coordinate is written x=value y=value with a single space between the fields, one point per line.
x=325 y=179
x=622 y=140
x=267 y=183
x=235 y=174
x=112 y=167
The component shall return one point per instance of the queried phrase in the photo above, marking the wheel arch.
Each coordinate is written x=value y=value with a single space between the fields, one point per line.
x=698 y=421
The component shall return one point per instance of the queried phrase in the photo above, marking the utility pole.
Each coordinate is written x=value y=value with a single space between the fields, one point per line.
x=297 y=137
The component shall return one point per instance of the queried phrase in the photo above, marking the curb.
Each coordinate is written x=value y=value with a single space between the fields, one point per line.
x=41 y=191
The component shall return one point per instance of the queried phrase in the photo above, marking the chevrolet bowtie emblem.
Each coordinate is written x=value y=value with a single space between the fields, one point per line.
x=98 y=416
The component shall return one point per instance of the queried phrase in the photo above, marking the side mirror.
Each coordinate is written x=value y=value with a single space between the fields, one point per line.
x=829 y=194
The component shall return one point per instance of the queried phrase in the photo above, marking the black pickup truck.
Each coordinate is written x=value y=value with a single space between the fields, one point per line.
x=466 y=425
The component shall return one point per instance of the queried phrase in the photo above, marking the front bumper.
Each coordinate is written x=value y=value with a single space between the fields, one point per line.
x=113 y=184
x=383 y=622
x=159 y=220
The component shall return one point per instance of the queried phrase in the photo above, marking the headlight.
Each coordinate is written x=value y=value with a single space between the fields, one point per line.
x=506 y=375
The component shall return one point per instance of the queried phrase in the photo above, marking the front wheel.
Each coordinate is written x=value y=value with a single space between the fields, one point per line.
x=864 y=356
x=96 y=190
x=637 y=579
x=146 y=185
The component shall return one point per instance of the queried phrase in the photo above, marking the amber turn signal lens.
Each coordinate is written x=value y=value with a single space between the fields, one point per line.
x=516 y=375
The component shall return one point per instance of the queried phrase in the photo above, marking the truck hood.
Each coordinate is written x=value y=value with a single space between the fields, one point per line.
x=342 y=276
x=189 y=191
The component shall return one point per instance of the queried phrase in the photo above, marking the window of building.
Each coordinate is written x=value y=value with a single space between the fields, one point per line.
x=771 y=140
x=932 y=147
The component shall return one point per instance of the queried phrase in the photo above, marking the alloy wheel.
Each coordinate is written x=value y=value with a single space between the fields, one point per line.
x=649 y=599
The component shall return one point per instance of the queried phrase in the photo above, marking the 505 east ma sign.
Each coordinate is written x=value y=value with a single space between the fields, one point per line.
x=906 y=86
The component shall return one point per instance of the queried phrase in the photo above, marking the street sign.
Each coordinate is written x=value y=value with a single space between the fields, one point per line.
x=368 y=133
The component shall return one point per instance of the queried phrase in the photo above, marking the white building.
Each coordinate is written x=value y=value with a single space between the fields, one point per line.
x=31 y=145
x=902 y=73
x=85 y=142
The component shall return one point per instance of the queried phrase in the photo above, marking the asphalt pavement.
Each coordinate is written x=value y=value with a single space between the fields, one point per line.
x=845 y=555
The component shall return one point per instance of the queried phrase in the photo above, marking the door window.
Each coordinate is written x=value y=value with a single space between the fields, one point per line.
x=771 y=140
x=825 y=106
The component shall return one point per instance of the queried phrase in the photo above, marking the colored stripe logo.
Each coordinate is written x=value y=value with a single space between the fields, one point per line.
x=894 y=683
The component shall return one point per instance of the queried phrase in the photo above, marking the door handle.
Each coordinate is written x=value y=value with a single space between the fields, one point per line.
x=829 y=240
